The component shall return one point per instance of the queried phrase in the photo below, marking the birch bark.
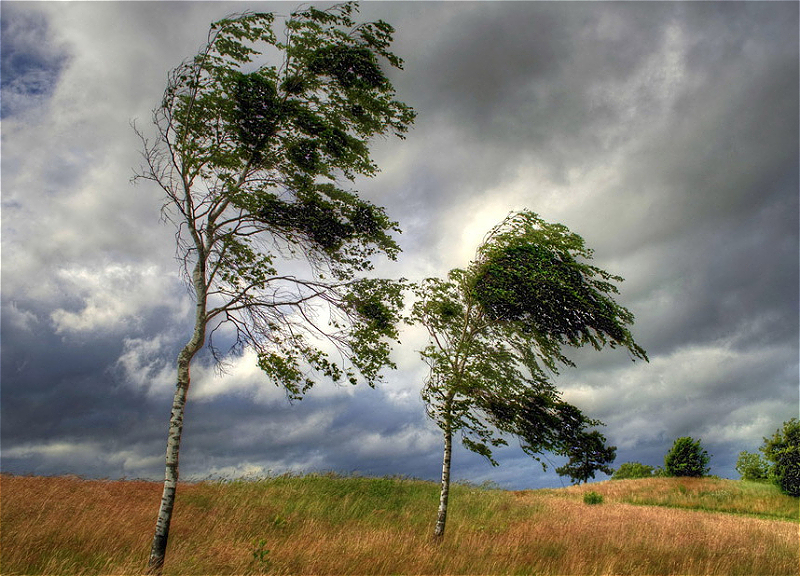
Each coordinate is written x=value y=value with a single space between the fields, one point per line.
x=445 y=493
x=158 y=549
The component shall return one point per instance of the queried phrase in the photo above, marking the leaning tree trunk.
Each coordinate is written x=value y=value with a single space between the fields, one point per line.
x=158 y=549
x=445 y=493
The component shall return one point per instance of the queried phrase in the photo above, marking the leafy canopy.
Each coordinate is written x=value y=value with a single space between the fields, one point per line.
x=752 y=467
x=536 y=276
x=498 y=327
x=782 y=449
x=268 y=136
x=588 y=454
x=686 y=458
x=628 y=470
x=257 y=135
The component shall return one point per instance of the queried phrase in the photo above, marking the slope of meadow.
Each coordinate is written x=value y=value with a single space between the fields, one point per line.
x=325 y=524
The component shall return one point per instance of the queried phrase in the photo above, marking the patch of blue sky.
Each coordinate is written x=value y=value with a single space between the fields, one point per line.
x=30 y=63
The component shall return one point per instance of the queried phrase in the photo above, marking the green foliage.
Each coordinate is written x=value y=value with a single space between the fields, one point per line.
x=762 y=499
x=633 y=470
x=783 y=451
x=588 y=454
x=686 y=458
x=752 y=467
x=491 y=348
x=529 y=273
x=592 y=498
x=497 y=328
x=260 y=553
x=252 y=154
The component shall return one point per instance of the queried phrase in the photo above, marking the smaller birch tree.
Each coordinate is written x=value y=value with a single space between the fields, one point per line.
x=498 y=329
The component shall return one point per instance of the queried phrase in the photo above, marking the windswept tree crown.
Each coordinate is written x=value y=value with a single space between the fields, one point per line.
x=274 y=138
x=500 y=326
x=258 y=135
x=536 y=276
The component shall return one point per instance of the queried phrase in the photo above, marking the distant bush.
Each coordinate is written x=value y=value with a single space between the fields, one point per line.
x=783 y=450
x=686 y=458
x=752 y=467
x=592 y=498
x=633 y=470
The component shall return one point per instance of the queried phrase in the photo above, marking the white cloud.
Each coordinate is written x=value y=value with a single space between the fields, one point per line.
x=53 y=449
x=115 y=297
x=23 y=320
x=264 y=468
x=145 y=367
x=87 y=455
x=709 y=390
x=132 y=462
x=748 y=424
x=410 y=440
x=240 y=375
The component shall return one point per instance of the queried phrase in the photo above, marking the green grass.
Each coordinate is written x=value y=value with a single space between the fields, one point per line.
x=759 y=499
x=328 y=524
x=336 y=500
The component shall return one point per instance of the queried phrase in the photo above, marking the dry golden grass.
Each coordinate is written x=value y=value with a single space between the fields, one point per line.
x=618 y=538
x=330 y=525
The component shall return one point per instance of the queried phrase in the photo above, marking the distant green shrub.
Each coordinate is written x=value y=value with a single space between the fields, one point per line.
x=752 y=467
x=633 y=470
x=783 y=450
x=686 y=458
x=592 y=498
x=260 y=554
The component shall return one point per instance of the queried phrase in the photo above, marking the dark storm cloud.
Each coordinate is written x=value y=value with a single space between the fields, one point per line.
x=738 y=287
x=364 y=433
x=666 y=134
x=570 y=83
x=67 y=407
x=342 y=432
x=513 y=79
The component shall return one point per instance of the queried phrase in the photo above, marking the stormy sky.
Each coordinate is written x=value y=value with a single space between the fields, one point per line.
x=665 y=134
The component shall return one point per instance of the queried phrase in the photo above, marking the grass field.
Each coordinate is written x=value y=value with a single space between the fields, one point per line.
x=327 y=524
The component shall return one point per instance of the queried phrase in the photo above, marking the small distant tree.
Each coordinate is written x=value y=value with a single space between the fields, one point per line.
x=588 y=454
x=782 y=449
x=543 y=422
x=252 y=156
x=629 y=470
x=686 y=458
x=752 y=467
x=498 y=328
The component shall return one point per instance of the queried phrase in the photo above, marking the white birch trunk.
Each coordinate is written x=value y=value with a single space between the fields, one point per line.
x=445 y=493
x=158 y=549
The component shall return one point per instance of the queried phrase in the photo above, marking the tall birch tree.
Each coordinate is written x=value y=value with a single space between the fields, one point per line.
x=256 y=137
x=498 y=330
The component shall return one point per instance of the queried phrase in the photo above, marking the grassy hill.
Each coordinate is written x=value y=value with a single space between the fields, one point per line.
x=325 y=524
